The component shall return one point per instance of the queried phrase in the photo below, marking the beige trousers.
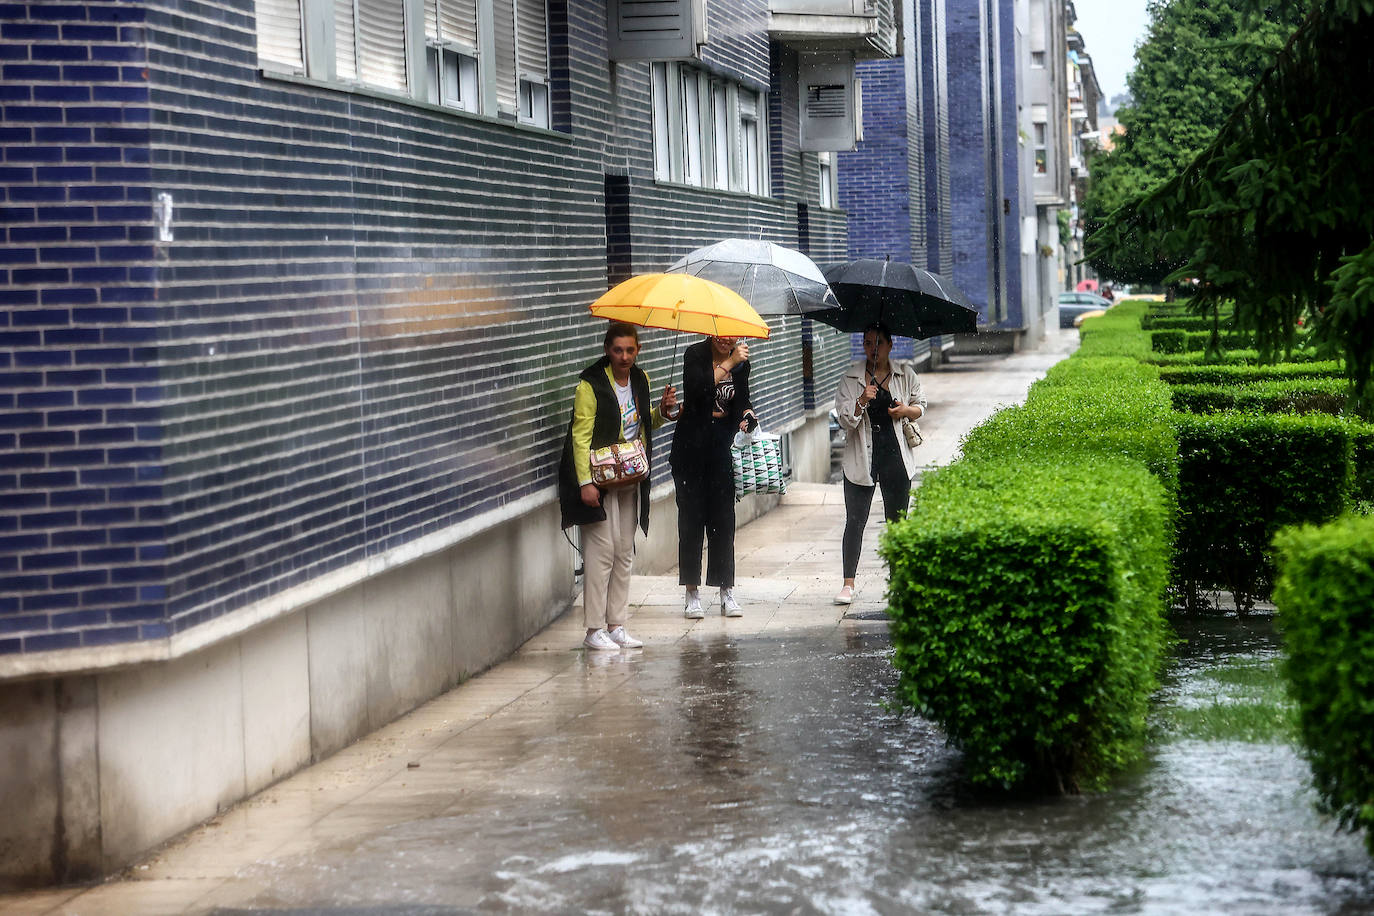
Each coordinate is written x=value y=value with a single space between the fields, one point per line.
x=608 y=555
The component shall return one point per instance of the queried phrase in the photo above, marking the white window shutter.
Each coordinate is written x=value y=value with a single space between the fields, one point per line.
x=827 y=110
x=451 y=22
x=655 y=29
x=532 y=40
x=345 y=41
x=279 y=35
x=503 y=29
x=382 y=43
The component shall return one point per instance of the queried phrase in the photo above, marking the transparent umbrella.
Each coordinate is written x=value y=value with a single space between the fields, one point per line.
x=773 y=279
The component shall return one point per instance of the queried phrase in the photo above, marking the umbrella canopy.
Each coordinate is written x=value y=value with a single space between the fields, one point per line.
x=680 y=302
x=911 y=302
x=773 y=279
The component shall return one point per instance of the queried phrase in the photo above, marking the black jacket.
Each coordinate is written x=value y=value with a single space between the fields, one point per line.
x=605 y=431
x=695 y=433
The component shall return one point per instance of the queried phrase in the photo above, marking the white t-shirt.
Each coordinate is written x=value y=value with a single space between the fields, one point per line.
x=629 y=410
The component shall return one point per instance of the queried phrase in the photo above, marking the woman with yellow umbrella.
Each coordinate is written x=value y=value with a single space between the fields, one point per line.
x=716 y=374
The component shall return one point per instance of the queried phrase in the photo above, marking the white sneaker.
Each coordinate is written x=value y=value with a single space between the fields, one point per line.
x=729 y=607
x=600 y=640
x=624 y=640
x=693 y=609
x=846 y=595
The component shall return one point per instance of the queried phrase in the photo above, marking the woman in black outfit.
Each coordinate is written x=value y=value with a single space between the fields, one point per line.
x=716 y=405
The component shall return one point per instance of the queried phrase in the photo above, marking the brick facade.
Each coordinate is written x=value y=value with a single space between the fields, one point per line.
x=360 y=326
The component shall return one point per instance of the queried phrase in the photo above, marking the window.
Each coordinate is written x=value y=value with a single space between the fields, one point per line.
x=707 y=132
x=827 y=195
x=1041 y=147
x=486 y=56
x=451 y=61
x=1037 y=58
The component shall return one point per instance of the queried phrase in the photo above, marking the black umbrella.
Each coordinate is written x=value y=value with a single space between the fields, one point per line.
x=911 y=302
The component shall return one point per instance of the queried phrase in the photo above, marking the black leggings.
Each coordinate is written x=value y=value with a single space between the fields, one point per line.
x=891 y=476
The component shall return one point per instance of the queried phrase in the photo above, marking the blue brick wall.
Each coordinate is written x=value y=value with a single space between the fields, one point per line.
x=875 y=188
x=364 y=329
x=81 y=466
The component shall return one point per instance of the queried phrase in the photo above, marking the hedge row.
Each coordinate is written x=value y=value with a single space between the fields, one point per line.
x=1243 y=374
x=1226 y=357
x=1297 y=396
x=1027 y=584
x=1325 y=598
x=1180 y=323
x=1242 y=477
x=1191 y=341
x=1026 y=604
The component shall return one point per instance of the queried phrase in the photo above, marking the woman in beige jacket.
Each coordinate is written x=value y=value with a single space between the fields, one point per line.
x=875 y=394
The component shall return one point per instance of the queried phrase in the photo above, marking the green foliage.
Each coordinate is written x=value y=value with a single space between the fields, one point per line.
x=1117 y=333
x=1197 y=63
x=1177 y=323
x=1027 y=617
x=1090 y=406
x=1169 y=341
x=1227 y=358
x=1325 y=597
x=1274 y=213
x=1243 y=374
x=1298 y=396
x=1241 y=478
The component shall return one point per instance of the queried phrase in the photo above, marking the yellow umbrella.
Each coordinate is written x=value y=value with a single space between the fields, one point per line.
x=680 y=302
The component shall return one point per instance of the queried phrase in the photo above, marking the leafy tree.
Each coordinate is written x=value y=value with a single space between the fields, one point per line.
x=1275 y=214
x=1198 y=61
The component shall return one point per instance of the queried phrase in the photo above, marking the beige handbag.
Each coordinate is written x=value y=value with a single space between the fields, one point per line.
x=623 y=464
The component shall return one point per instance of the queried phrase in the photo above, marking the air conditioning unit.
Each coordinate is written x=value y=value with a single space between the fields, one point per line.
x=656 y=29
x=829 y=107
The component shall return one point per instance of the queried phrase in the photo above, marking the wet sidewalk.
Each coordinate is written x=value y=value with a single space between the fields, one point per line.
x=668 y=779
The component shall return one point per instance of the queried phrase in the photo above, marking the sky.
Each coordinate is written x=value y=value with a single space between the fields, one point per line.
x=1111 y=29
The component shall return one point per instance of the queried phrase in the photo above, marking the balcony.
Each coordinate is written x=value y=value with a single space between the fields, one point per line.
x=865 y=27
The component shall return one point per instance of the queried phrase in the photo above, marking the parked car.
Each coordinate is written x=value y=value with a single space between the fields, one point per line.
x=1071 y=305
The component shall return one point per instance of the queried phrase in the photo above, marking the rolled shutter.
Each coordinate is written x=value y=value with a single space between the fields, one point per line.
x=503 y=28
x=451 y=21
x=532 y=40
x=382 y=43
x=345 y=41
x=279 y=34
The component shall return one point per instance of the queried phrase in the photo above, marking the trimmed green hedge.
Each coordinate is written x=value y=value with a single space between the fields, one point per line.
x=1325 y=597
x=1241 y=374
x=1242 y=477
x=1302 y=395
x=1178 y=323
x=1111 y=406
x=1226 y=357
x=1116 y=333
x=1026 y=598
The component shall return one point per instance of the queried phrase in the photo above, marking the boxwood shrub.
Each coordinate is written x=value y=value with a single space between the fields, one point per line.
x=1242 y=477
x=1026 y=598
x=1301 y=395
x=1169 y=341
x=1178 y=323
x=1098 y=406
x=1241 y=374
x=1325 y=599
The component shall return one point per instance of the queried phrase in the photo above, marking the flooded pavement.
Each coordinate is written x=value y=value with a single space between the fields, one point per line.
x=753 y=765
x=768 y=776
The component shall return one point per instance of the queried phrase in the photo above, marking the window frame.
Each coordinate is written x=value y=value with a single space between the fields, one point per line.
x=701 y=135
x=333 y=48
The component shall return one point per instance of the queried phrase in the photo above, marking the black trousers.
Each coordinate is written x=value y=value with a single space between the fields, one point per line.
x=706 y=510
x=890 y=473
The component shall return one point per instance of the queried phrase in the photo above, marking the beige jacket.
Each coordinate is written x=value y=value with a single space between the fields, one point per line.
x=857 y=462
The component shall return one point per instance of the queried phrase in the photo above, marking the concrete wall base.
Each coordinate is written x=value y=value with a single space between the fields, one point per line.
x=98 y=769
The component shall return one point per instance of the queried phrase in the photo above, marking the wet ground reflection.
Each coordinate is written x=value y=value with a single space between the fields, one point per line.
x=767 y=775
